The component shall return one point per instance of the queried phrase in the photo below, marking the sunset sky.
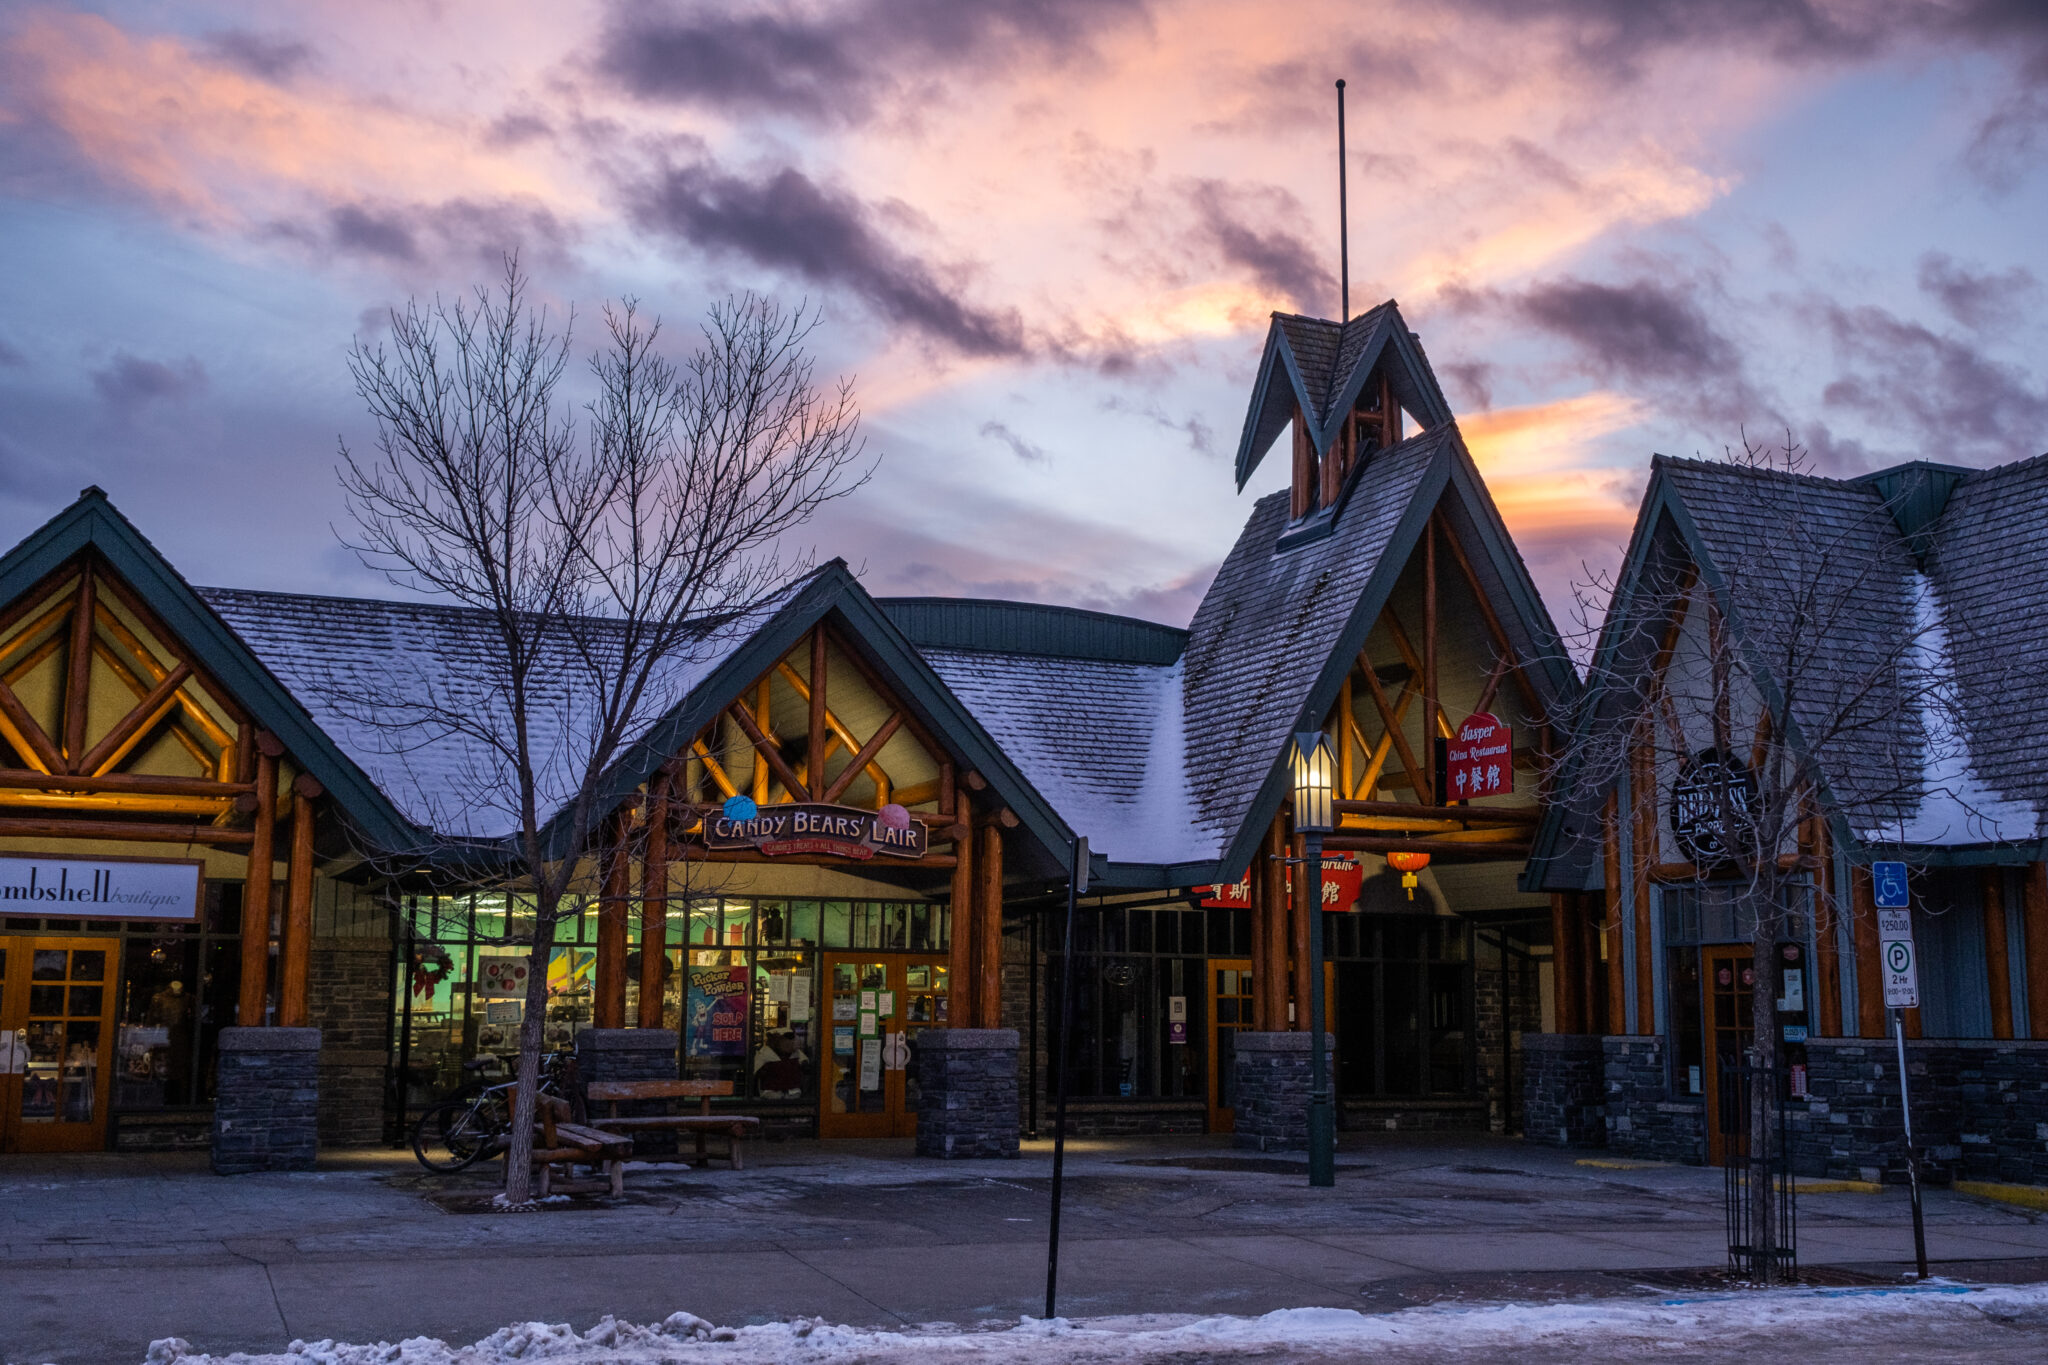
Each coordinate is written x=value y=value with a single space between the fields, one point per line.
x=1046 y=235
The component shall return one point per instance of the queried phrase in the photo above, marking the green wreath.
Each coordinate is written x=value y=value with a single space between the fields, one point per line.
x=431 y=965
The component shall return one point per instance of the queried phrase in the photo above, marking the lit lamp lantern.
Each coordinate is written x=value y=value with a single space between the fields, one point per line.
x=1408 y=864
x=1314 y=768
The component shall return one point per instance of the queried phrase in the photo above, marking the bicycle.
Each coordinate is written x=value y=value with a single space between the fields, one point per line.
x=458 y=1132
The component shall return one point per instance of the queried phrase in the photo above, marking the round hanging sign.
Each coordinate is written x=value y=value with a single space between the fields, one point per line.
x=1713 y=805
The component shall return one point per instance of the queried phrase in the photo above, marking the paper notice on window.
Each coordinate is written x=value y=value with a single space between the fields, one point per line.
x=867 y=1000
x=885 y=1002
x=871 y=1063
x=778 y=990
x=799 y=1001
x=868 y=1028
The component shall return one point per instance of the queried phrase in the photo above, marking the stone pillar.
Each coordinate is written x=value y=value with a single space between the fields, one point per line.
x=631 y=1054
x=1271 y=1091
x=967 y=1092
x=1564 y=1089
x=266 y=1112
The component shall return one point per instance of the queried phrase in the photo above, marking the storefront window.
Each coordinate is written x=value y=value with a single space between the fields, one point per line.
x=1401 y=1008
x=1129 y=965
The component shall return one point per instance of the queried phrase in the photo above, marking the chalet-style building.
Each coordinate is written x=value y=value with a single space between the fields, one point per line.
x=1891 y=620
x=222 y=890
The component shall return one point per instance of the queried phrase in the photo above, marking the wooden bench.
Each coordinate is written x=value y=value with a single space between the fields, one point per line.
x=557 y=1140
x=734 y=1128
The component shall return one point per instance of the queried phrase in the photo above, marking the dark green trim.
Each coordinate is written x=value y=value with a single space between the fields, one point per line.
x=1031 y=628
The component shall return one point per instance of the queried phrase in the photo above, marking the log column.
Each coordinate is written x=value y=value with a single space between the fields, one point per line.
x=255 y=989
x=1997 y=969
x=1869 y=975
x=1610 y=923
x=1255 y=886
x=1270 y=995
x=1297 y=927
x=608 y=1010
x=988 y=947
x=295 y=952
x=960 y=964
x=1564 y=967
x=654 y=906
x=2034 y=904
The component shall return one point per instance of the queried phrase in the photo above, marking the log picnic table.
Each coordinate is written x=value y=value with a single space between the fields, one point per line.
x=557 y=1140
x=734 y=1128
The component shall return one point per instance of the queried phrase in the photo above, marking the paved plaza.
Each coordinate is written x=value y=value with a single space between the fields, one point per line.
x=104 y=1253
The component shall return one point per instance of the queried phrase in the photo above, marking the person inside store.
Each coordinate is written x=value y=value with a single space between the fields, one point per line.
x=779 y=1067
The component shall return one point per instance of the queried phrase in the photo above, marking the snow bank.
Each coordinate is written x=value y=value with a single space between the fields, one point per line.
x=1303 y=1333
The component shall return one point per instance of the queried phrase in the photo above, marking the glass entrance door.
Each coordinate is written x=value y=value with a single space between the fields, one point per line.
x=875 y=1006
x=56 y=1042
x=1731 y=1004
x=1230 y=1009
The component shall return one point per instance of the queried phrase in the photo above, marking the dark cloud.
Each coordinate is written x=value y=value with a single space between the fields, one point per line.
x=259 y=54
x=1469 y=379
x=1201 y=437
x=831 y=64
x=1639 y=330
x=1021 y=448
x=786 y=221
x=10 y=357
x=408 y=234
x=1949 y=395
x=129 y=382
x=1980 y=300
x=1242 y=222
x=516 y=130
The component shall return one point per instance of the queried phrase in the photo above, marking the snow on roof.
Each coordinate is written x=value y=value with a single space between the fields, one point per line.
x=1103 y=741
x=387 y=681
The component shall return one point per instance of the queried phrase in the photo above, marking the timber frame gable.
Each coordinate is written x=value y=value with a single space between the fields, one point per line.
x=1449 y=510
x=146 y=663
x=704 y=740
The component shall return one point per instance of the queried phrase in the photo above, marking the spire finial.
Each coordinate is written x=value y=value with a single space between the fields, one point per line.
x=1343 y=215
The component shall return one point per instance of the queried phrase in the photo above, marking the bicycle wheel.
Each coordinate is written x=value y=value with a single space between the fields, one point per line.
x=453 y=1134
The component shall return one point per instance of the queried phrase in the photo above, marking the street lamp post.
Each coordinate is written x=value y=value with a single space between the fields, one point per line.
x=1315 y=814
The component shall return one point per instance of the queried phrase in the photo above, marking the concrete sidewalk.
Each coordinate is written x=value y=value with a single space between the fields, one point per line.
x=101 y=1254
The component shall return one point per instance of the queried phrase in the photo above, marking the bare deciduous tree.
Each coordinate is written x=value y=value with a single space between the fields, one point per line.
x=1792 y=681
x=600 y=564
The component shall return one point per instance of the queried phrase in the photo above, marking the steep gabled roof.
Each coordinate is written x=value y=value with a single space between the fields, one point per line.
x=93 y=523
x=1966 y=582
x=1321 y=366
x=1277 y=633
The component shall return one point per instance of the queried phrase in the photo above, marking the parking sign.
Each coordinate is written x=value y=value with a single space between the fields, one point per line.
x=1895 y=956
x=1888 y=886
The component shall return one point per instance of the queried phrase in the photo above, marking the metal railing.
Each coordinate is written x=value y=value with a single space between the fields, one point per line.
x=1758 y=1187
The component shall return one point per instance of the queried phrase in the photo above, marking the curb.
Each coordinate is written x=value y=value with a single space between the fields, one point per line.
x=2026 y=1196
x=1818 y=1186
x=1599 y=1163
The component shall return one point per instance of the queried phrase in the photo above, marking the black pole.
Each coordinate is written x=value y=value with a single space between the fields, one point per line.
x=1031 y=1036
x=1912 y=1157
x=1343 y=211
x=1322 y=1118
x=1077 y=874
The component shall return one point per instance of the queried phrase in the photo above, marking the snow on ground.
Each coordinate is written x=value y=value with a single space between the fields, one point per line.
x=1602 y=1328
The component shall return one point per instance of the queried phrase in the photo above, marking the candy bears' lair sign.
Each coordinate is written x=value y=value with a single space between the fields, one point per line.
x=844 y=831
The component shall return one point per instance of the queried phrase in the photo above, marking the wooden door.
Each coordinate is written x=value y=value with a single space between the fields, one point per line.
x=1230 y=1009
x=875 y=1006
x=57 y=1016
x=1730 y=1004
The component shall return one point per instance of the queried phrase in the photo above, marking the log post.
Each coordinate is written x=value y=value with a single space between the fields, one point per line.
x=2034 y=908
x=1430 y=700
x=654 y=905
x=1255 y=886
x=1564 y=977
x=1610 y=922
x=295 y=953
x=1270 y=995
x=78 y=679
x=1869 y=975
x=1997 y=967
x=1298 y=935
x=1643 y=843
x=608 y=1009
x=960 y=1011
x=255 y=989
x=988 y=947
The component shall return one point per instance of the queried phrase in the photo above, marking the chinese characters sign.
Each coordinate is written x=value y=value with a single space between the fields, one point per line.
x=1342 y=878
x=1480 y=759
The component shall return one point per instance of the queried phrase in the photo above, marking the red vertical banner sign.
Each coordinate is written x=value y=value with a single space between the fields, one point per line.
x=1480 y=759
x=1342 y=879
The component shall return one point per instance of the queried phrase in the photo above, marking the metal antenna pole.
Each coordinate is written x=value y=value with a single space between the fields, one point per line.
x=1077 y=879
x=1343 y=212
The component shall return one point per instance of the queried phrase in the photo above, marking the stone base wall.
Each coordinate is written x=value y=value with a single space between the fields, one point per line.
x=631 y=1054
x=1643 y=1119
x=266 y=1112
x=349 y=996
x=1127 y=1118
x=1272 y=1089
x=1980 y=1109
x=1564 y=1089
x=967 y=1097
x=1415 y=1116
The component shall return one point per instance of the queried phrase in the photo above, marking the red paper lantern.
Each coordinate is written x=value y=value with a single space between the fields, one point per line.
x=1408 y=864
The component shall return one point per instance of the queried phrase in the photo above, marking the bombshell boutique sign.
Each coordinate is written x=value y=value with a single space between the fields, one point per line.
x=844 y=831
x=99 y=888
